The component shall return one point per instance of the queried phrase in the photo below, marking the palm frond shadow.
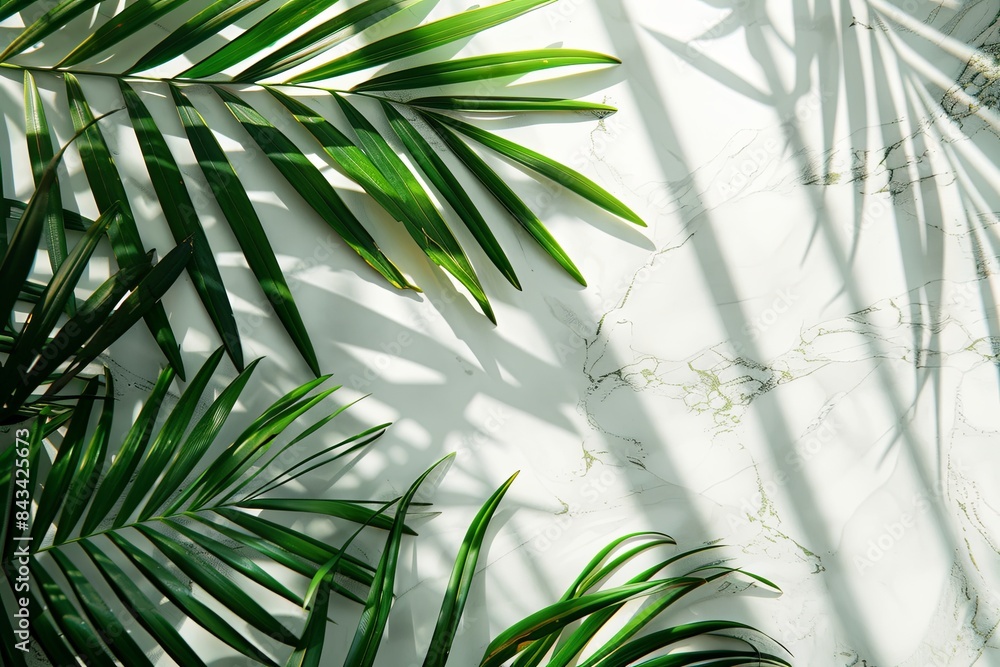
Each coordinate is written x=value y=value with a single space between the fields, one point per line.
x=898 y=110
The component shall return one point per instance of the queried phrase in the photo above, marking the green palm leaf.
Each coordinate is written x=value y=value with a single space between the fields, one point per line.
x=422 y=38
x=243 y=220
x=479 y=68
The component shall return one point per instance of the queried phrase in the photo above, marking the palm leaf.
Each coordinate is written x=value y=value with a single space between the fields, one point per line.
x=422 y=38
x=107 y=188
x=479 y=68
x=243 y=220
x=163 y=550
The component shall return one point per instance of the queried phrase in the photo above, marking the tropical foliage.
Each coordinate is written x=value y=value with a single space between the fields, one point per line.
x=40 y=352
x=284 y=53
x=166 y=491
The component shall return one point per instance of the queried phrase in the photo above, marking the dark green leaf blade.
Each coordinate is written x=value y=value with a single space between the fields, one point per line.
x=501 y=104
x=50 y=306
x=234 y=559
x=342 y=509
x=89 y=318
x=309 y=648
x=88 y=471
x=218 y=586
x=81 y=635
x=168 y=439
x=557 y=616
x=422 y=38
x=107 y=188
x=182 y=596
x=368 y=636
x=45 y=25
x=314 y=188
x=444 y=180
x=39 y=153
x=207 y=23
x=140 y=302
x=129 y=454
x=323 y=37
x=246 y=226
x=479 y=68
x=560 y=173
x=50 y=501
x=183 y=221
x=101 y=615
x=283 y=20
x=141 y=608
x=420 y=217
x=457 y=592
x=503 y=194
x=188 y=454
x=128 y=21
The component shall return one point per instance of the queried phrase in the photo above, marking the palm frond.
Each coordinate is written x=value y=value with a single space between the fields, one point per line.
x=178 y=522
x=286 y=40
x=37 y=351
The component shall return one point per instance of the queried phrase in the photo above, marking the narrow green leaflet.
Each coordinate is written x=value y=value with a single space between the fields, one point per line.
x=48 y=309
x=65 y=463
x=19 y=254
x=309 y=648
x=341 y=509
x=88 y=471
x=503 y=194
x=376 y=613
x=182 y=596
x=142 y=608
x=168 y=439
x=182 y=218
x=421 y=218
x=716 y=658
x=434 y=168
x=354 y=161
x=129 y=454
x=48 y=23
x=107 y=188
x=75 y=629
x=219 y=586
x=234 y=559
x=283 y=20
x=422 y=38
x=557 y=616
x=188 y=453
x=462 y=574
x=39 y=154
x=204 y=25
x=324 y=37
x=560 y=173
x=226 y=470
x=131 y=19
x=140 y=302
x=627 y=653
x=499 y=104
x=296 y=543
x=479 y=68
x=101 y=616
x=10 y=7
x=73 y=335
x=313 y=186
x=246 y=226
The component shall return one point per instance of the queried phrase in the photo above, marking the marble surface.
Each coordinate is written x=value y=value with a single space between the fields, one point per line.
x=799 y=357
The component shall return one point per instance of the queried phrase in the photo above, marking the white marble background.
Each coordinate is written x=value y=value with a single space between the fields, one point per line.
x=798 y=357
